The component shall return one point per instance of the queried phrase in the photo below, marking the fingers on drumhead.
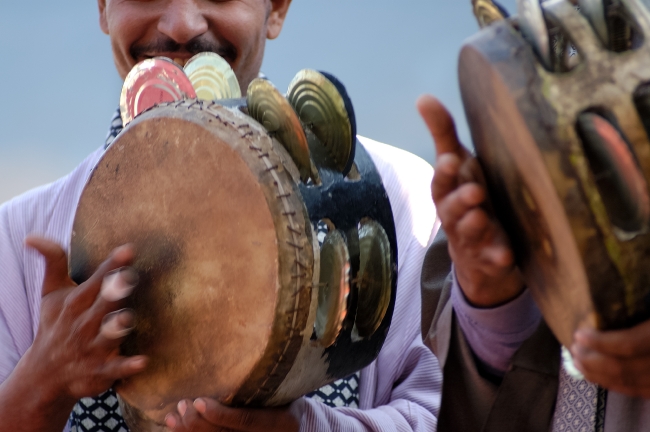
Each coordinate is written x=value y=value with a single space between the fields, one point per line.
x=117 y=325
x=119 y=284
x=122 y=367
x=89 y=291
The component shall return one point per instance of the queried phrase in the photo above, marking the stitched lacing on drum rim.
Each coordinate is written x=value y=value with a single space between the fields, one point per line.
x=294 y=230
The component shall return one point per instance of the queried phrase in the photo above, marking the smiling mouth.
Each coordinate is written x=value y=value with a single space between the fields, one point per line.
x=181 y=61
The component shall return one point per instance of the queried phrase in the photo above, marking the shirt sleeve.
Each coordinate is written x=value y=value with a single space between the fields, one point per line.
x=8 y=353
x=15 y=318
x=495 y=334
x=413 y=406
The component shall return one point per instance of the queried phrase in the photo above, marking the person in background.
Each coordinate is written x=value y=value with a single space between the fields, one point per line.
x=502 y=368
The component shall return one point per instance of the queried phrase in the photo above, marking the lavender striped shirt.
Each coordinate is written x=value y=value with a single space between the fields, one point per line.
x=400 y=391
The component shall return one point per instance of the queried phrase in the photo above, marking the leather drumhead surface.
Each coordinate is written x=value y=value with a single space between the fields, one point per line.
x=206 y=253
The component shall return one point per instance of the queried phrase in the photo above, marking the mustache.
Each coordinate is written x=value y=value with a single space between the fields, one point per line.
x=195 y=46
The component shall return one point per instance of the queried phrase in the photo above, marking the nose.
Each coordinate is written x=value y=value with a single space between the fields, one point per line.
x=182 y=21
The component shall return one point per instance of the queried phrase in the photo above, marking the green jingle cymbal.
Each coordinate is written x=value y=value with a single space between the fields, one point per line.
x=334 y=288
x=374 y=279
x=212 y=77
x=271 y=109
x=323 y=105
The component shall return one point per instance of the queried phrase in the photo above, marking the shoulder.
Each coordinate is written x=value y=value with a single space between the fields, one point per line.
x=45 y=210
x=407 y=179
x=397 y=163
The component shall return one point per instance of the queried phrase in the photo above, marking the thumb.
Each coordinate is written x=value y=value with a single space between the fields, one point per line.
x=441 y=126
x=56 y=264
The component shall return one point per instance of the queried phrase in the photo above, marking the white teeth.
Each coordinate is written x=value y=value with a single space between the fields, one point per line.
x=115 y=287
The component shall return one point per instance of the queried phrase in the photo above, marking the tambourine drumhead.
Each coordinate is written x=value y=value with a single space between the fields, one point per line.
x=185 y=191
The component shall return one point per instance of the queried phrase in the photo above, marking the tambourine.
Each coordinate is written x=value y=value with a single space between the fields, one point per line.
x=237 y=299
x=557 y=103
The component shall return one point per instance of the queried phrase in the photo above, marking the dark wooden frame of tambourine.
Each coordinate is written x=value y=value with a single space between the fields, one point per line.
x=345 y=210
x=579 y=267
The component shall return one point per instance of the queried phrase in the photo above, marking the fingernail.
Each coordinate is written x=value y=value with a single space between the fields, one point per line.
x=126 y=317
x=182 y=408
x=170 y=421
x=130 y=275
x=121 y=249
x=138 y=363
x=118 y=324
x=200 y=405
x=116 y=286
x=580 y=338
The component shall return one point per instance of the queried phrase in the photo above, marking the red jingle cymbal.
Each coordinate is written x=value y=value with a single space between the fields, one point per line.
x=152 y=82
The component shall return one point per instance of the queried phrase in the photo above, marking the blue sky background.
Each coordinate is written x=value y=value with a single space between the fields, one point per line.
x=59 y=85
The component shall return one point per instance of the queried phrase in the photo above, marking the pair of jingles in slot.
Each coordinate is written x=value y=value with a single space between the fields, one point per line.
x=220 y=197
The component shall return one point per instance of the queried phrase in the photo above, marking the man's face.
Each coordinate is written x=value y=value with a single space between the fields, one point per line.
x=235 y=29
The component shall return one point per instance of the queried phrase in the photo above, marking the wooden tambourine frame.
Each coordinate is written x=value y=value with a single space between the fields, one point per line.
x=579 y=266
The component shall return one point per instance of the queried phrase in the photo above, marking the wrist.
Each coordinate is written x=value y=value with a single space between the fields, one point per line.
x=30 y=399
x=487 y=292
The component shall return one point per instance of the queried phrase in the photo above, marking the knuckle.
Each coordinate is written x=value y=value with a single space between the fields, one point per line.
x=78 y=341
x=70 y=302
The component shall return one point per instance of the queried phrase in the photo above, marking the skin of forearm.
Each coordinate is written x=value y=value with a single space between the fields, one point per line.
x=30 y=400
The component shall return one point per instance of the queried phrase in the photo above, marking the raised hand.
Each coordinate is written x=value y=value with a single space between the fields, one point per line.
x=81 y=328
x=483 y=258
x=76 y=348
x=208 y=415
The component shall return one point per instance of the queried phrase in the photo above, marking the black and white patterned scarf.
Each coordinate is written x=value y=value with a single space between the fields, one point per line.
x=102 y=413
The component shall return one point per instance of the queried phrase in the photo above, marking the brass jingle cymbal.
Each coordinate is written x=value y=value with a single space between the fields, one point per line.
x=486 y=12
x=151 y=82
x=271 y=109
x=374 y=279
x=324 y=106
x=533 y=26
x=212 y=77
x=334 y=288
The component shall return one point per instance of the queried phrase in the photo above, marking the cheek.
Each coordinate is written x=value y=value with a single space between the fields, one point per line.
x=128 y=24
x=242 y=25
